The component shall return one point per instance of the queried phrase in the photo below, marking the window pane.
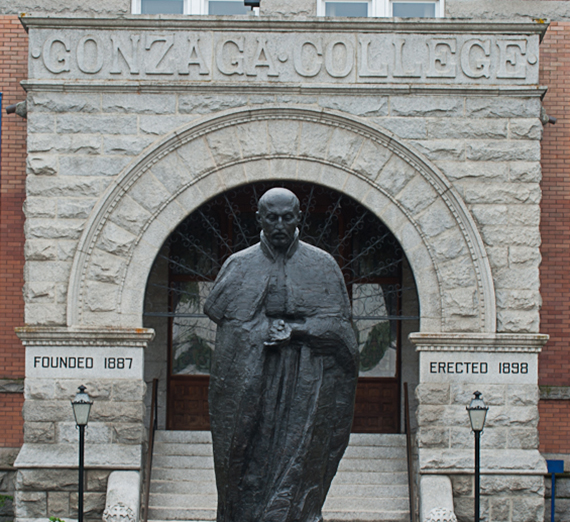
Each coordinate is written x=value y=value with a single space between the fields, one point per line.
x=227 y=7
x=346 y=9
x=413 y=10
x=162 y=6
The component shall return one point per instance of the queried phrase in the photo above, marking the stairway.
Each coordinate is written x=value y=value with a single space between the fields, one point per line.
x=371 y=483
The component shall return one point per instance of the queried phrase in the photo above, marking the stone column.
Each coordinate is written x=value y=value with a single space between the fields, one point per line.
x=504 y=368
x=109 y=362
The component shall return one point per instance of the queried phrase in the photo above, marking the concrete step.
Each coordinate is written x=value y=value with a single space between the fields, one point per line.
x=197 y=437
x=183 y=475
x=183 y=488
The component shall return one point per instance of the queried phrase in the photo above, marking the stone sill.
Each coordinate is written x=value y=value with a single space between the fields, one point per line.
x=555 y=393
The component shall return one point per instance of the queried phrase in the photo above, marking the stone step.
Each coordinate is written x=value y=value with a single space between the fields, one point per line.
x=197 y=437
x=179 y=475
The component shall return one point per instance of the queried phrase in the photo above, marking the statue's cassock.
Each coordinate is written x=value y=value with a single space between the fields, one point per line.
x=280 y=416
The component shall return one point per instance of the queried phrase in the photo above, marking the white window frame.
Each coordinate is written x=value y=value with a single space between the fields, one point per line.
x=191 y=7
x=383 y=8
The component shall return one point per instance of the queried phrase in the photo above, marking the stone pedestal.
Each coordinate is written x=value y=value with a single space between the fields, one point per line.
x=504 y=368
x=109 y=362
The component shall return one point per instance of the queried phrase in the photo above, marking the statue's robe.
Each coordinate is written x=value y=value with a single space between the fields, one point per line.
x=280 y=416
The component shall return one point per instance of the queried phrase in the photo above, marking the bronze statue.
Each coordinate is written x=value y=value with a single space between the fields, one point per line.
x=283 y=374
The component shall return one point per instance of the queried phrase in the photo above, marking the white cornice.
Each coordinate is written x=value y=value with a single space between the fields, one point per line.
x=478 y=342
x=84 y=336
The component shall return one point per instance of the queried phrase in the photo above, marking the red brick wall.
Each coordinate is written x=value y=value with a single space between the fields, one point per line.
x=13 y=69
x=554 y=366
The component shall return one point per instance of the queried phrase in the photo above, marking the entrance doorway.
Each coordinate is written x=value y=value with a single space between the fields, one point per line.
x=371 y=261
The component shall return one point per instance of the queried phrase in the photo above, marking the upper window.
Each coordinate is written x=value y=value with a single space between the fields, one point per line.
x=195 y=7
x=381 y=8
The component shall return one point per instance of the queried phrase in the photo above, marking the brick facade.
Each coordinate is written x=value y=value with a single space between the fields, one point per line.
x=13 y=69
x=554 y=369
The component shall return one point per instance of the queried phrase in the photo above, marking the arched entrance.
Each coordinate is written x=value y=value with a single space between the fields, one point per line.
x=370 y=258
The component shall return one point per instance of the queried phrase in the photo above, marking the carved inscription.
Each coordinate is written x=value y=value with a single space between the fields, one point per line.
x=284 y=57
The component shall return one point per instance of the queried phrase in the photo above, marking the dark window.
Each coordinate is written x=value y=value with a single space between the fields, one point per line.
x=347 y=9
x=413 y=9
x=162 y=6
x=227 y=7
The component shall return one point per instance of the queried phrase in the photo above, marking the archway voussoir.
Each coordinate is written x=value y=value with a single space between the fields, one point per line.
x=417 y=195
x=257 y=169
x=172 y=172
x=105 y=267
x=333 y=177
x=371 y=158
x=115 y=240
x=448 y=246
x=284 y=168
x=283 y=136
x=310 y=171
x=224 y=145
x=357 y=188
x=196 y=156
x=435 y=219
x=395 y=175
x=343 y=147
x=149 y=193
x=171 y=213
x=233 y=175
x=314 y=140
x=101 y=297
x=130 y=216
x=253 y=138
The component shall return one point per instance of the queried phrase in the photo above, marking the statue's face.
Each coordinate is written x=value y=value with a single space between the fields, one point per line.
x=279 y=216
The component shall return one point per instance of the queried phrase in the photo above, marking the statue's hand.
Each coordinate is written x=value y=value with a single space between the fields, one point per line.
x=279 y=334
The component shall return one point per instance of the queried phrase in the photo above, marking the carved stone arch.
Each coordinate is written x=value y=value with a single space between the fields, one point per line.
x=190 y=166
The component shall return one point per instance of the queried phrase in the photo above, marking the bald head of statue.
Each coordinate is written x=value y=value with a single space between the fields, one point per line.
x=279 y=215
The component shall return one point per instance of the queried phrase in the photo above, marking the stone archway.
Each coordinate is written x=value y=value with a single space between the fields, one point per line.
x=192 y=165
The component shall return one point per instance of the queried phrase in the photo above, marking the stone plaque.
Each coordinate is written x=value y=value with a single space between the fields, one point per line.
x=81 y=362
x=479 y=367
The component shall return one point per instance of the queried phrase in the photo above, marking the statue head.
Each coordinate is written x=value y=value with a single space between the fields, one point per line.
x=278 y=216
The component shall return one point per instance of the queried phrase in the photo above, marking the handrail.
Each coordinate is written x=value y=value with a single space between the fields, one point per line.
x=411 y=488
x=152 y=429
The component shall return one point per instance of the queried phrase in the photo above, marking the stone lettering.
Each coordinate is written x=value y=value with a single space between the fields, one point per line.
x=441 y=58
x=458 y=367
x=399 y=71
x=511 y=61
x=262 y=58
x=365 y=70
x=229 y=57
x=56 y=55
x=89 y=62
x=339 y=63
x=194 y=57
x=168 y=42
x=475 y=61
x=307 y=58
x=130 y=56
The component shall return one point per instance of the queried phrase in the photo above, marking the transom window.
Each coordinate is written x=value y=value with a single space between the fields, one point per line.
x=381 y=8
x=195 y=7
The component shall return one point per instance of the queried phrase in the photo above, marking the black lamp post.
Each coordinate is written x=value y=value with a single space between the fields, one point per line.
x=81 y=408
x=477 y=414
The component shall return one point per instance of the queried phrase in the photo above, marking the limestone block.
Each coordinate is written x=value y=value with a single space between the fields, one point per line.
x=356 y=188
x=314 y=140
x=45 y=314
x=40 y=389
x=518 y=299
x=40 y=228
x=522 y=395
x=119 y=412
x=497 y=236
x=47 y=411
x=123 y=496
x=95 y=433
x=457 y=273
x=466 y=128
x=127 y=145
x=441 y=149
x=493 y=394
x=491 y=438
x=424 y=106
x=502 y=107
x=515 y=277
x=96 y=124
x=58 y=504
x=523 y=438
x=39 y=208
x=436 y=494
x=524 y=215
x=395 y=175
x=435 y=416
x=128 y=433
x=523 y=416
x=498 y=256
x=512 y=485
x=96 y=479
x=56 y=271
x=197 y=157
x=106 y=268
x=481 y=170
x=172 y=172
x=42 y=165
x=92 y=165
x=562 y=509
x=433 y=437
x=224 y=145
x=128 y=390
x=139 y=103
x=500 y=509
x=39 y=250
x=234 y=175
x=292 y=8
x=252 y=138
x=66 y=187
x=68 y=102
x=404 y=128
x=39 y=292
x=464 y=509
x=283 y=136
x=435 y=219
x=260 y=99
x=360 y=106
x=98 y=389
x=528 y=509
x=417 y=195
x=31 y=504
x=492 y=150
x=159 y=125
x=295 y=99
x=449 y=245
x=93 y=505
x=518 y=321
x=525 y=172
x=461 y=301
x=433 y=393
x=490 y=214
x=39 y=432
x=206 y=104
x=529 y=129
x=524 y=256
x=130 y=216
x=101 y=297
x=115 y=240
x=66 y=250
x=65 y=143
x=39 y=123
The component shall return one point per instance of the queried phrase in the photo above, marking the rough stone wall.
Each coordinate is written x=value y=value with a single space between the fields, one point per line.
x=76 y=7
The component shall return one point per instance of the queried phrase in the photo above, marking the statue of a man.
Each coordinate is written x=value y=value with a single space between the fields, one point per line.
x=283 y=375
